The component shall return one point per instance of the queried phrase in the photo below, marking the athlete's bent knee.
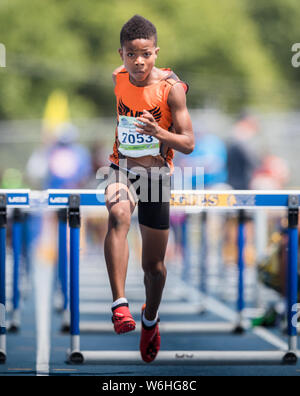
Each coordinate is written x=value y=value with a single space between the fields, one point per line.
x=119 y=218
x=154 y=269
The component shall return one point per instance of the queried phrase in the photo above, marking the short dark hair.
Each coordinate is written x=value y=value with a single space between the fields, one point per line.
x=138 y=27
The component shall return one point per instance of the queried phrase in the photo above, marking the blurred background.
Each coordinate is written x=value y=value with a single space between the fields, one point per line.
x=236 y=57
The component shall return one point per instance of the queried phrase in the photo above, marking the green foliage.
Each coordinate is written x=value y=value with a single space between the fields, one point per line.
x=278 y=24
x=233 y=53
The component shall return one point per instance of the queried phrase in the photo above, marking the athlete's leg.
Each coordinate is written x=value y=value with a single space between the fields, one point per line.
x=154 y=245
x=120 y=204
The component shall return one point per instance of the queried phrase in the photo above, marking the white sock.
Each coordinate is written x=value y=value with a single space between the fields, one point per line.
x=119 y=301
x=149 y=323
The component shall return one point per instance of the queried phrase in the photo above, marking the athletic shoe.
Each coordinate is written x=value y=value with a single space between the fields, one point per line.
x=150 y=340
x=122 y=319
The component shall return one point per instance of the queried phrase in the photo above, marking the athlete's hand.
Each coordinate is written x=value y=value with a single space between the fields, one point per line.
x=149 y=126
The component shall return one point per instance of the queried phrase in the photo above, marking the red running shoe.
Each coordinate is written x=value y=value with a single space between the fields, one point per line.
x=122 y=319
x=150 y=341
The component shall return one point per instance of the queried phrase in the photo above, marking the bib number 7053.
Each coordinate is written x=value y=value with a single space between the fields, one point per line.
x=130 y=138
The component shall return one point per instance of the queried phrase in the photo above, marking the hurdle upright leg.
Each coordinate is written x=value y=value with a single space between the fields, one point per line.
x=292 y=276
x=241 y=270
x=3 y=221
x=203 y=252
x=63 y=265
x=186 y=267
x=16 y=245
x=75 y=355
x=26 y=244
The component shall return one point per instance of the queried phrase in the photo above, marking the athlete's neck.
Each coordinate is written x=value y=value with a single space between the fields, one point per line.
x=155 y=76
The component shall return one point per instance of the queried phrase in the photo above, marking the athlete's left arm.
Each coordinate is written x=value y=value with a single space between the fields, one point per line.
x=183 y=138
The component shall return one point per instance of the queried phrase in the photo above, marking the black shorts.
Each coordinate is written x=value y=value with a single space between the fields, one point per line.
x=152 y=195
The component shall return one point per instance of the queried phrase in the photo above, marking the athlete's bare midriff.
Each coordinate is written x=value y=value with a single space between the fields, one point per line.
x=148 y=162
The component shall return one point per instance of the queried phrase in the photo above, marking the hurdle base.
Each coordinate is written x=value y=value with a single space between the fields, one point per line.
x=290 y=358
x=239 y=330
x=66 y=324
x=2 y=357
x=59 y=310
x=75 y=357
x=65 y=328
x=58 y=303
x=13 y=328
x=167 y=327
x=15 y=323
x=189 y=358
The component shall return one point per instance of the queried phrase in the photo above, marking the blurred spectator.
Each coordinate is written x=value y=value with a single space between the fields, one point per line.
x=210 y=153
x=62 y=164
x=99 y=155
x=273 y=174
x=96 y=222
x=242 y=160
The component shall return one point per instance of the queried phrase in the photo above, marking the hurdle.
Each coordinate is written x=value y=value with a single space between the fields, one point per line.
x=14 y=325
x=212 y=200
x=11 y=199
x=63 y=265
x=239 y=326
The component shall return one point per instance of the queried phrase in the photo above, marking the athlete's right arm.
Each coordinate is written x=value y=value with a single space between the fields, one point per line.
x=115 y=72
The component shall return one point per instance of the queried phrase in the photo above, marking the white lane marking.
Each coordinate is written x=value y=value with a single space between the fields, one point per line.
x=43 y=282
x=270 y=338
x=227 y=313
x=195 y=296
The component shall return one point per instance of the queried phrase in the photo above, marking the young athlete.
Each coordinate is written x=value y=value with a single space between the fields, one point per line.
x=152 y=121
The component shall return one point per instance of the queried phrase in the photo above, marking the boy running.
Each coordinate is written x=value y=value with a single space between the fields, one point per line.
x=153 y=120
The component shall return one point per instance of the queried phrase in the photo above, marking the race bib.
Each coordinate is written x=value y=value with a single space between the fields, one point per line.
x=132 y=143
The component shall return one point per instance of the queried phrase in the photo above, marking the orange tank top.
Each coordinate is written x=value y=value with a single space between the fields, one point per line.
x=132 y=100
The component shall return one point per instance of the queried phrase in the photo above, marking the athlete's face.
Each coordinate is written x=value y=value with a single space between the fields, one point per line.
x=139 y=58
